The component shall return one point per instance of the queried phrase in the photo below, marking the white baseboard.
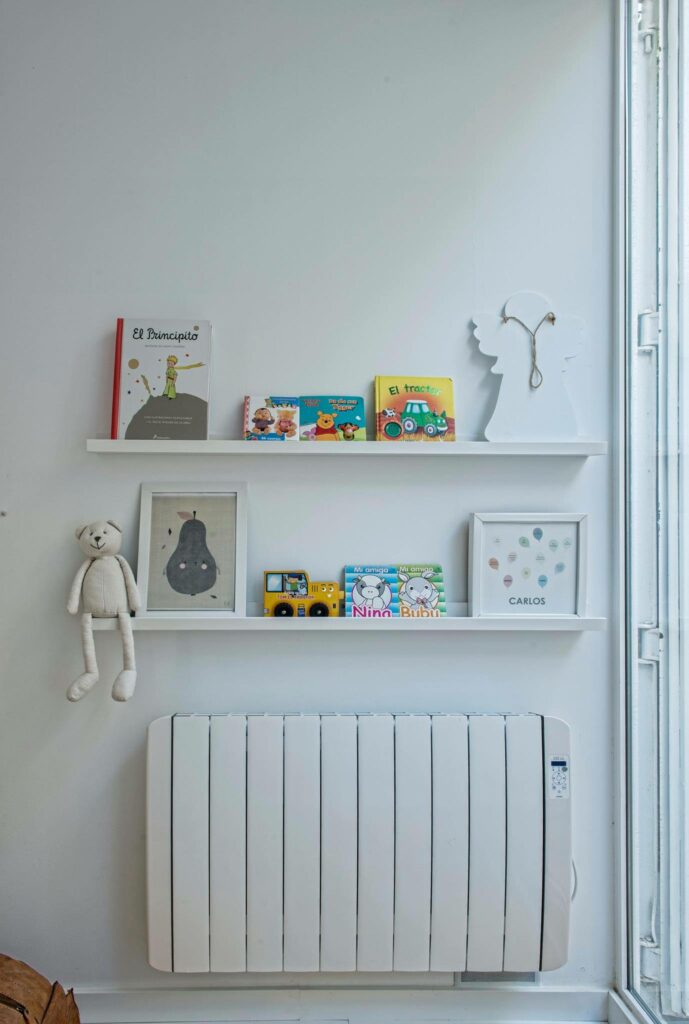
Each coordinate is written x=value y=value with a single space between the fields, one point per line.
x=622 y=1009
x=356 y=1006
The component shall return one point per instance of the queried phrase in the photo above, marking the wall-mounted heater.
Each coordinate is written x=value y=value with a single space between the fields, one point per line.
x=358 y=842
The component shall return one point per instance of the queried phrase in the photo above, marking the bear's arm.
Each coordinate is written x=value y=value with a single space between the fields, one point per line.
x=75 y=592
x=133 y=594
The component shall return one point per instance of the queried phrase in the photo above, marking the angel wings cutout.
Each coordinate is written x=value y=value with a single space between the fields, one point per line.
x=522 y=412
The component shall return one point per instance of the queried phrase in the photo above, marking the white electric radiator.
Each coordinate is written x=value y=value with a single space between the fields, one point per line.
x=358 y=843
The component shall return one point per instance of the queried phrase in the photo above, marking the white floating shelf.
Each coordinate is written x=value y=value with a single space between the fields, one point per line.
x=456 y=621
x=582 y=448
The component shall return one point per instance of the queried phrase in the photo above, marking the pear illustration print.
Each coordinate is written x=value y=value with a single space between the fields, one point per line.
x=191 y=569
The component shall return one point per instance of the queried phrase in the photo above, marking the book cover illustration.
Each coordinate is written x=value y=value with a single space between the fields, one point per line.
x=371 y=592
x=162 y=373
x=421 y=590
x=415 y=409
x=331 y=418
x=271 y=418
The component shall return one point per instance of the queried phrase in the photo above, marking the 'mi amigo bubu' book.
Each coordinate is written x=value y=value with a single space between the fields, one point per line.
x=394 y=591
x=415 y=409
x=421 y=591
x=271 y=418
x=162 y=372
x=331 y=418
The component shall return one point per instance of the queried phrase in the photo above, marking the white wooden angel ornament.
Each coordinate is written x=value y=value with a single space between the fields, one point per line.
x=532 y=341
x=107 y=588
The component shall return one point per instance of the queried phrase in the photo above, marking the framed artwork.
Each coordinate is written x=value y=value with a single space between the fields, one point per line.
x=527 y=563
x=192 y=550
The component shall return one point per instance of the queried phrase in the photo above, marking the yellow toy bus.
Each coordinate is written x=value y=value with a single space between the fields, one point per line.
x=286 y=594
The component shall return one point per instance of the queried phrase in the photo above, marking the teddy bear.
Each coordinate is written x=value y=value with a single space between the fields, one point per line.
x=107 y=588
x=285 y=423
x=262 y=421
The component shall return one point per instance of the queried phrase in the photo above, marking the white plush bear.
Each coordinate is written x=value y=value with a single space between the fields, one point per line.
x=108 y=590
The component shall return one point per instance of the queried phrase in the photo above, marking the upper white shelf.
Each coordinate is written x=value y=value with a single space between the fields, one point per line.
x=581 y=447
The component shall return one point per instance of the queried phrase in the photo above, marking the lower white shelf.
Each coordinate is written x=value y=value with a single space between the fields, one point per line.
x=456 y=620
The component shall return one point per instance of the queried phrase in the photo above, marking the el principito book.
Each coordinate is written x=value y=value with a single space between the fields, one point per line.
x=162 y=378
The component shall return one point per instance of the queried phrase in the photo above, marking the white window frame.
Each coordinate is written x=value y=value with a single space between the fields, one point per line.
x=650 y=488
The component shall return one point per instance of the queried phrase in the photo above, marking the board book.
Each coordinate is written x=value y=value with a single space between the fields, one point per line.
x=161 y=382
x=332 y=418
x=394 y=591
x=271 y=418
x=415 y=409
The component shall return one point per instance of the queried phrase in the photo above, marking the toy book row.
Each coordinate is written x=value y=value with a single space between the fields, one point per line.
x=371 y=591
x=161 y=392
x=304 y=418
x=407 y=409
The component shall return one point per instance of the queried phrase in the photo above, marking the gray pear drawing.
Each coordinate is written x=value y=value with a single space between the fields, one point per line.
x=191 y=568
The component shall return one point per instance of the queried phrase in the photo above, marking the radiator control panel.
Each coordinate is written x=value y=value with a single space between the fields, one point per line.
x=559 y=778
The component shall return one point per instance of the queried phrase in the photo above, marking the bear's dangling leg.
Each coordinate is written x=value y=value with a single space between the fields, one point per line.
x=125 y=683
x=88 y=679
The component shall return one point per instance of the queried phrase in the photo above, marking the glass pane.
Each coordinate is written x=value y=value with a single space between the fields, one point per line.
x=657 y=552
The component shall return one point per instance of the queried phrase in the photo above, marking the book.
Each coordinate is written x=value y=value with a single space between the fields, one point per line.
x=411 y=591
x=271 y=418
x=331 y=418
x=415 y=409
x=421 y=591
x=161 y=383
x=371 y=592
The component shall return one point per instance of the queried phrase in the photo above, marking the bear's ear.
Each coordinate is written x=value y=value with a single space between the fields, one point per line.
x=79 y=530
x=111 y=522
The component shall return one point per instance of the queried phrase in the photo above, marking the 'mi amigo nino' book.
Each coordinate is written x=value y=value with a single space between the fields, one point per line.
x=271 y=418
x=331 y=418
x=394 y=591
x=415 y=409
x=162 y=370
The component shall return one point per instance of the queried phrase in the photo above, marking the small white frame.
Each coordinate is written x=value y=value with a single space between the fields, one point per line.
x=239 y=490
x=477 y=524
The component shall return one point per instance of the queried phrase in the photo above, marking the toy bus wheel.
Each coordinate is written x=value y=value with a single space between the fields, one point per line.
x=283 y=610
x=409 y=426
x=392 y=430
x=319 y=609
x=430 y=430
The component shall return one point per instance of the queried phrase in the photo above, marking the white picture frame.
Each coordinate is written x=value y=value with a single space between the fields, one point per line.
x=161 y=519
x=515 y=570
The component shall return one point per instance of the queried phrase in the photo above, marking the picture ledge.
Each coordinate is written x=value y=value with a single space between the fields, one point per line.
x=581 y=447
x=456 y=619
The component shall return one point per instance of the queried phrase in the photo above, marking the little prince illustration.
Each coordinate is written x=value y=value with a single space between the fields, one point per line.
x=173 y=368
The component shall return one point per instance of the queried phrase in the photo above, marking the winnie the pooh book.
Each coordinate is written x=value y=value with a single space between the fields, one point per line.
x=331 y=418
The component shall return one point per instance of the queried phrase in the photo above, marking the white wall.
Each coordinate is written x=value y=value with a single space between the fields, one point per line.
x=337 y=185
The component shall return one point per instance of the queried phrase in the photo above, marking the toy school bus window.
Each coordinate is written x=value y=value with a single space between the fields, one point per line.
x=287 y=583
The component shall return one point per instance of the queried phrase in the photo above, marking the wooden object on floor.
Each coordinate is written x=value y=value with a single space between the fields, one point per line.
x=25 y=995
